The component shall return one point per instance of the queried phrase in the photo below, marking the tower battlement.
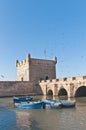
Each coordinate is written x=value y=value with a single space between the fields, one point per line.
x=20 y=63
x=23 y=62
x=32 y=69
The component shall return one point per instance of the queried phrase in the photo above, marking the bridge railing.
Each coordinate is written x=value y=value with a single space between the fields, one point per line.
x=80 y=78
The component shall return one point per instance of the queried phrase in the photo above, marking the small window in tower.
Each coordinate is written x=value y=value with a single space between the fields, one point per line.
x=46 y=78
x=22 y=79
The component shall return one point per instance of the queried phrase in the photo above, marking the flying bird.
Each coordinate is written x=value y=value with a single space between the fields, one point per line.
x=2 y=76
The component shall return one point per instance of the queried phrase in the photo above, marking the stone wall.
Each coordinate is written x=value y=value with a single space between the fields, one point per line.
x=32 y=69
x=41 y=69
x=11 y=88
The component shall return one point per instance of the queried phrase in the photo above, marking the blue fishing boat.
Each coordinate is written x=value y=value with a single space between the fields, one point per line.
x=51 y=104
x=30 y=105
x=63 y=103
x=68 y=103
x=17 y=99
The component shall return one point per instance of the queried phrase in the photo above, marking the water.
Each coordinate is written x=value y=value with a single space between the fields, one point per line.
x=12 y=118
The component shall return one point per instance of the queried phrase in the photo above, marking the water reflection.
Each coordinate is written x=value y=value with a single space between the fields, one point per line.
x=7 y=119
x=22 y=120
x=12 y=118
x=25 y=120
x=50 y=97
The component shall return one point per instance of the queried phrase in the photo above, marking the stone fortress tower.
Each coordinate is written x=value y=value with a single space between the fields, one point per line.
x=33 y=70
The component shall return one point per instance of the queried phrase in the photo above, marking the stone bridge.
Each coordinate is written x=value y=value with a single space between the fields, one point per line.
x=71 y=87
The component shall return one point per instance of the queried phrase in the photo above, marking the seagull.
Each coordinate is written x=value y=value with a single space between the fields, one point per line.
x=2 y=76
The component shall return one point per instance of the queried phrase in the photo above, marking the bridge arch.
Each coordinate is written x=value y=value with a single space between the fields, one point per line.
x=81 y=92
x=62 y=92
x=49 y=92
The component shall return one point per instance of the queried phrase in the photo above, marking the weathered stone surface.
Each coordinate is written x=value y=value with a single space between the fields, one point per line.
x=11 y=88
x=32 y=69
x=70 y=85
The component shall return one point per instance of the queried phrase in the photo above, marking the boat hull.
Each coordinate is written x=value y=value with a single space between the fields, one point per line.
x=63 y=103
x=68 y=104
x=30 y=105
x=52 y=105
x=21 y=99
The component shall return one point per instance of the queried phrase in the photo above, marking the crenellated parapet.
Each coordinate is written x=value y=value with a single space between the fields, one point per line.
x=28 y=57
x=70 y=79
x=23 y=62
x=55 y=59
